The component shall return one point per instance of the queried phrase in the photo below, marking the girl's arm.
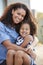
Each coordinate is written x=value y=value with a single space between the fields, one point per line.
x=27 y=39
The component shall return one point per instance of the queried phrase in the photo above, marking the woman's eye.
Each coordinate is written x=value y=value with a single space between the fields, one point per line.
x=20 y=15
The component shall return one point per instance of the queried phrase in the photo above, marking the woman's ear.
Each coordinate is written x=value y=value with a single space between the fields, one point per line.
x=13 y=11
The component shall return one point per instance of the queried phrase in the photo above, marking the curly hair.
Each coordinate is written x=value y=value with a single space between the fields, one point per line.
x=32 y=27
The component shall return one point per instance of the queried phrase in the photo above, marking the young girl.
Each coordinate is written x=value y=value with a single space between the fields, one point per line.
x=25 y=29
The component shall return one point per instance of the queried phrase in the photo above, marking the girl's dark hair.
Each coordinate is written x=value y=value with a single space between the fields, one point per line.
x=7 y=16
x=32 y=27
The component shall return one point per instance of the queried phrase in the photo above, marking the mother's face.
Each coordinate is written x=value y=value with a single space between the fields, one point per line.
x=18 y=15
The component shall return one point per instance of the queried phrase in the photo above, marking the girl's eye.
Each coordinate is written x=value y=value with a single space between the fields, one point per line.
x=18 y=13
x=26 y=29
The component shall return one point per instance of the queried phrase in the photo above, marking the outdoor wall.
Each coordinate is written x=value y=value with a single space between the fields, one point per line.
x=27 y=2
x=1 y=7
x=3 y=4
x=40 y=26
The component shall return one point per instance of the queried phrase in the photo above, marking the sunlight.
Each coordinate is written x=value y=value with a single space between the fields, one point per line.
x=37 y=5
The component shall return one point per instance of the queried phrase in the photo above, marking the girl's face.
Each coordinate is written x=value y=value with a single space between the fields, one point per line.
x=18 y=15
x=25 y=30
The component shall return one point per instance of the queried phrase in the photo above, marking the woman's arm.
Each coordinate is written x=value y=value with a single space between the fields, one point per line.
x=35 y=41
x=33 y=44
x=30 y=48
x=32 y=53
x=10 y=46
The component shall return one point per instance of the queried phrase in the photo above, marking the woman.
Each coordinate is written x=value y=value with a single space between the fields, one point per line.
x=12 y=17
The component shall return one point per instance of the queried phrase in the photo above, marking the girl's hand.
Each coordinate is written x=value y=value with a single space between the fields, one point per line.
x=29 y=38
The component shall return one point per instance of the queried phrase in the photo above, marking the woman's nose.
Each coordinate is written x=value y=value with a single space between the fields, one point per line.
x=20 y=17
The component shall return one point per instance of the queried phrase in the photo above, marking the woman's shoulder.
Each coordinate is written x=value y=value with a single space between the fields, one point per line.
x=1 y=24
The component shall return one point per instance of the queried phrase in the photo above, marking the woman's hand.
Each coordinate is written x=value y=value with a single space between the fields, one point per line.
x=31 y=52
x=29 y=49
